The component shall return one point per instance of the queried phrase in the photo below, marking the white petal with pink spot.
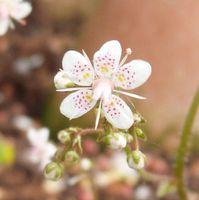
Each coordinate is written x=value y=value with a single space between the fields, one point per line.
x=106 y=60
x=77 y=104
x=132 y=74
x=78 y=68
x=118 y=113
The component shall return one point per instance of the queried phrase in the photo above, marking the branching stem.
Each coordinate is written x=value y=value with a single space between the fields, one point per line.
x=88 y=130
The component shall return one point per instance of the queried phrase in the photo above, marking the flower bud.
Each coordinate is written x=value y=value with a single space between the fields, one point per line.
x=137 y=118
x=64 y=136
x=139 y=133
x=116 y=140
x=53 y=171
x=62 y=81
x=136 y=159
x=71 y=156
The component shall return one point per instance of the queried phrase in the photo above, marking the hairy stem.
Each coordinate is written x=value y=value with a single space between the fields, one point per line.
x=136 y=141
x=181 y=153
x=88 y=131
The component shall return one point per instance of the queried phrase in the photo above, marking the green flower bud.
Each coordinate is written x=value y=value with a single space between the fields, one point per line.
x=138 y=119
x=53 y=171
x=139 y=133
x=71 y=156
x=64 y=136
x=115 y=140
x=136 y=159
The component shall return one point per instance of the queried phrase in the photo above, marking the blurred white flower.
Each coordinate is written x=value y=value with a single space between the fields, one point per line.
x=85 y=164
x=71 y=181
x=108 y=76
x=22 y=122
x=119 y=171
x=25 y=65
x=54 y=187
x=41 y=150
x=12 y=10
x=118 y=161
x=143 y=192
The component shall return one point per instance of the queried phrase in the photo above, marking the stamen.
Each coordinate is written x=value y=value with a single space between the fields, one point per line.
x=128 y=52
x=11 y=24
x=98 y=115
x=87 y=58
x=130 y=94
x=72 y=89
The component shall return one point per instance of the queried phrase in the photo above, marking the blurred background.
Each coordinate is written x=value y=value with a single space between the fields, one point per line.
x=163 y=32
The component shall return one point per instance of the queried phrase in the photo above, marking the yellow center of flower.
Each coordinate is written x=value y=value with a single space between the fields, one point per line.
x=86 y=76
x=89 y=98
x=104 y=69
x=121 y=78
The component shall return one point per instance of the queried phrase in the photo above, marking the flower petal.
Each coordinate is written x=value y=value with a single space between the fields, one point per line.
x=132 y=74
x=19 y=10
x=77 y=104
x=118 y=113
x=78 y=68
x=106 y=59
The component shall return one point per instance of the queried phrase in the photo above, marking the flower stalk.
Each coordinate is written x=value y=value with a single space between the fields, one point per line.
x=181 y=153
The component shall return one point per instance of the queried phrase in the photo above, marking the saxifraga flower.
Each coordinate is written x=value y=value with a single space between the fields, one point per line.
x=99 y=83
x=11 y=10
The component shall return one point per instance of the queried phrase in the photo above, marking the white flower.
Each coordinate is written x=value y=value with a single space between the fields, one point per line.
x=119 y=171
x=22 y=122
x=101 y=81
x=41 y=150
x=116 y=141
x=12 y=10
x=25 y=65
x=143 y=192
x=136 y=159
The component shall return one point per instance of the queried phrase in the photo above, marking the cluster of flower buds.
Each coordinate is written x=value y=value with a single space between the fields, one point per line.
x=135 y=158
x=67 y=154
